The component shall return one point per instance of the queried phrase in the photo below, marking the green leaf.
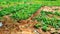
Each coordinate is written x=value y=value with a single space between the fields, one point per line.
x=38 y=25
x=44 y=28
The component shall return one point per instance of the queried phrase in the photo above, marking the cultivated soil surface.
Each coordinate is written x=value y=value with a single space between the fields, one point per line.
x=26 y=26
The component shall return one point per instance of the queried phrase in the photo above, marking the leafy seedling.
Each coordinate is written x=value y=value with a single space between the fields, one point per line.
x=38 y=25
x=44 y=28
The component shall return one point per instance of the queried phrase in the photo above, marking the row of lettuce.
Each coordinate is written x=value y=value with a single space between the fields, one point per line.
x=20 y=11
x=46 y=20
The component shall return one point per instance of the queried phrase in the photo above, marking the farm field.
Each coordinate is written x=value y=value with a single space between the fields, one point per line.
x=30 y=16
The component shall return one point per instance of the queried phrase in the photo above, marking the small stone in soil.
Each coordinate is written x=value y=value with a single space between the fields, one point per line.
x=1 y=24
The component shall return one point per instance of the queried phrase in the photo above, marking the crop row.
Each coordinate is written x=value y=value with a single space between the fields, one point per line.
x=12 y=9
x=48 y=21
x=20 y=11
x=26 y=12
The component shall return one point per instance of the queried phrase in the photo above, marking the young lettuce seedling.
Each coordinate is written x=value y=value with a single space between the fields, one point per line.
x=38 y=25
x=44 y=28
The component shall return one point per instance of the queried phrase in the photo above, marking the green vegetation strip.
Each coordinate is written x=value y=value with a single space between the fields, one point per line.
x=26 y=12
x=48 y=21
x=20 y=11
x=12 y=9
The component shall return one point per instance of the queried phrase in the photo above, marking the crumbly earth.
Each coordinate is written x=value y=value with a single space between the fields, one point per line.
x=25 y=26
